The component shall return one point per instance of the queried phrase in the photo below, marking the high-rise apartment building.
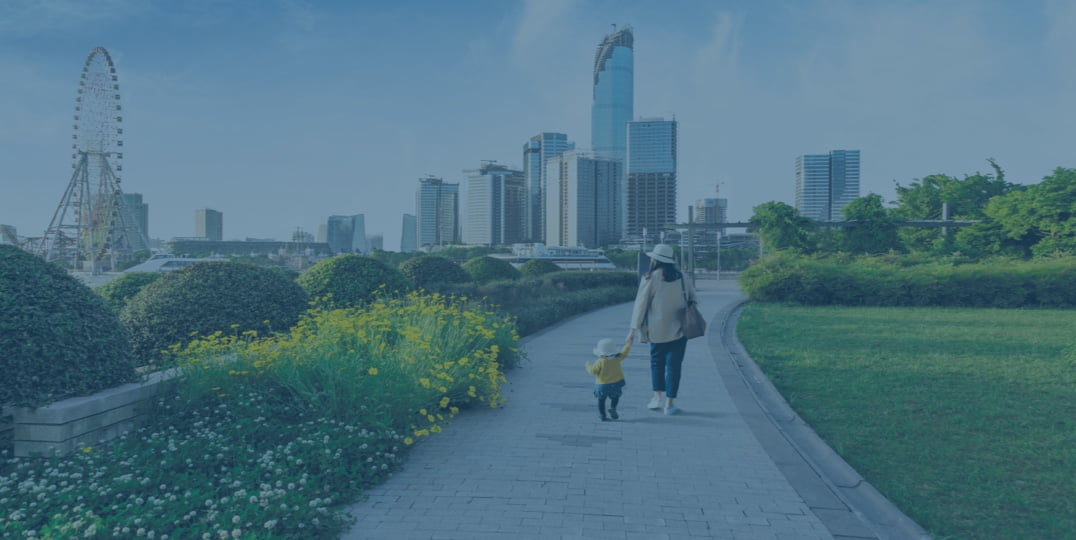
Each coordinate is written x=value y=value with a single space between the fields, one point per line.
x=375 y=241
x=437 y=211
x=209 y=224
x=710 y=212
x=582 y=204
x=826 y=183
x=496 y=206
x=409 y=235
x=651 y=172
x=535 y=153
x=347 y=234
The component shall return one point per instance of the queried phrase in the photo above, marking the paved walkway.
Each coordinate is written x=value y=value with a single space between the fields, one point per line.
x=544 y=466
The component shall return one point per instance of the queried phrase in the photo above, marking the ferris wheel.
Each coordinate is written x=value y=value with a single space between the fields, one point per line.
x=94 y=224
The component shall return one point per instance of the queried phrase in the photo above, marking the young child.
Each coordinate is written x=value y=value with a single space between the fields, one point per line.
x=608 y=375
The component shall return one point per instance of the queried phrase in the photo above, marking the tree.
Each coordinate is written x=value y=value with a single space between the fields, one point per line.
x=781 y=227
x=966 y=200
x=1041 y=218
x=872 y=229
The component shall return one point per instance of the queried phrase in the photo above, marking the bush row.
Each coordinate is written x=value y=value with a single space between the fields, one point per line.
x=881 y=281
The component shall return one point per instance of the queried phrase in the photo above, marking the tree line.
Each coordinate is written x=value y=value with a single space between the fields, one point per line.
x=1014 y=220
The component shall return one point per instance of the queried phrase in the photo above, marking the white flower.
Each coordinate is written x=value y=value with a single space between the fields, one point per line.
x=236 y=533
x=270 y=524
x=235 y=520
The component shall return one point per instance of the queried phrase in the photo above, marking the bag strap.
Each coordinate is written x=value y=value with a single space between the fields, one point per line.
x=683 y=289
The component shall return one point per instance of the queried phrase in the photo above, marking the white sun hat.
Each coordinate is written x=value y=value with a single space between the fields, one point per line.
x=663 y=253
x=606 y=347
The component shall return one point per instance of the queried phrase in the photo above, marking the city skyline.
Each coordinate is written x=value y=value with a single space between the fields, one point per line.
x=281 y=114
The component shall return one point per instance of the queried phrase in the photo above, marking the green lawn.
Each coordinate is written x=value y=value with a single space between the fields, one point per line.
x=965 y=418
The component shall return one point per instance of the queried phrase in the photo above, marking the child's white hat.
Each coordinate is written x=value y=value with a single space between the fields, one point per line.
x=606 y=347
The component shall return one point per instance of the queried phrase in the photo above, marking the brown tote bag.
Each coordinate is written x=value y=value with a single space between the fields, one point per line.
x=692 y=321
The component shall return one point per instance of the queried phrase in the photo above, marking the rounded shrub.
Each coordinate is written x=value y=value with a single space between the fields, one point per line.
x=425 y=271
x=538 y=267
x=351 y=280
x=57 y=338
x=208 y=297
x=486 y=269
x=118 y=291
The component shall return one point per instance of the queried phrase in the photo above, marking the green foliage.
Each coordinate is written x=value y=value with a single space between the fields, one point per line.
x=781 y=227
x=891 y=281
x=1041 y=217
x=575 y=280
x=623 y=259
x=966 y=199
x=56 y=336
x=872 y=229
x=485 y=269
x=121 y=289
x=207 y=297
x=538 y=267
x=352 y=280
x=426 y=271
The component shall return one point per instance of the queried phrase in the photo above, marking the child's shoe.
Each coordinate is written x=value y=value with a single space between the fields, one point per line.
x=613 y=414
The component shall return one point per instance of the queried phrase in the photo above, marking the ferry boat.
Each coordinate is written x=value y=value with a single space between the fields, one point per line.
x=568 y=258
x=166 y=262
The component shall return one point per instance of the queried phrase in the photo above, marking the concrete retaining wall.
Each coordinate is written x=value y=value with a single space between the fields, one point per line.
x=74 y=423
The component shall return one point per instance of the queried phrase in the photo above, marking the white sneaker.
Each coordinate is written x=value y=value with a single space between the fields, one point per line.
x=671 y=410
x=655 y=403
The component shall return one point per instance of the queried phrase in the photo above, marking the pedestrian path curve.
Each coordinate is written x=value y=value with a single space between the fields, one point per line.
x=545 y=467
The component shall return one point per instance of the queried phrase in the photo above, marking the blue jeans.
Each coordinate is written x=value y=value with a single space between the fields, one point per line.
x=665 y=361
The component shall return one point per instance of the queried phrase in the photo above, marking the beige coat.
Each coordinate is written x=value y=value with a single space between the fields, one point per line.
x=660 y=303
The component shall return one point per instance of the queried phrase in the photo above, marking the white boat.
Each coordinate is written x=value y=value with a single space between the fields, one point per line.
x=166 y=262
x=568 y=258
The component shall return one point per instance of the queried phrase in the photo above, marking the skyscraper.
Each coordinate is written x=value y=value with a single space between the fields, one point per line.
x=409 y=236
x=535 y=153
x=496 y=206
x=437 y=211
x=581 y=206
x=614 y=94
x=347 y=234
x=651 y=171
x=138 y=214
x=209 y=224
x=614 y=103
x=826 y=183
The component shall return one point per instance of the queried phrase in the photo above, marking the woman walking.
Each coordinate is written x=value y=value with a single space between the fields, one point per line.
x=659 y=305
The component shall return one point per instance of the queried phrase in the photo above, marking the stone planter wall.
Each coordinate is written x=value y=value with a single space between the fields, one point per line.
x=74 y=423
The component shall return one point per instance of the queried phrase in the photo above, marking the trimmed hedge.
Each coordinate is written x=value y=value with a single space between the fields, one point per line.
x=351 y=280
x=486 y=269
x=57 y=338
x=536 y=303
x=207 y=297
x=883 y=281
x=538 y=267
x=426 y=271
x=121 y=289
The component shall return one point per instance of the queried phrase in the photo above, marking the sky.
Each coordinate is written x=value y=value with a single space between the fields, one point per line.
x=279 y=113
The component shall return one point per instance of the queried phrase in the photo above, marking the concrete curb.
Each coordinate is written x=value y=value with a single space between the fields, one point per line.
x=872 y=508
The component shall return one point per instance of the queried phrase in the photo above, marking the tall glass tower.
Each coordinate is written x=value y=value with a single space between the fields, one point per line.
x=651 y=193
x=614 y=102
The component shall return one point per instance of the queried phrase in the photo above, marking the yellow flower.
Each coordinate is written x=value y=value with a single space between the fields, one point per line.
x=424 y=382
x=408 y=440
x=454 y=410
x=87 y=450
x=430 y=418
x=444 y=402
x=472 y=392
x=436 y=429
x=372 y=371
x=442 y=389
x=423 y=412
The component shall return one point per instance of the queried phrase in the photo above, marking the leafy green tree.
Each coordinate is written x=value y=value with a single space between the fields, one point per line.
x=781 y=227
x=429 y=270
x=118 y=291
x=1041 y=217
x=485 y=269
x=871 y=228
x=966 y=200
